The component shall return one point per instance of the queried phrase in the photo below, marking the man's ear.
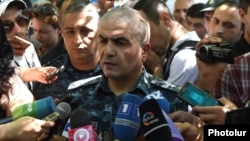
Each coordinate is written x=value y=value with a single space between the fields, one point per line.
x=165 y=18
x=242 y=15
x=146 y=47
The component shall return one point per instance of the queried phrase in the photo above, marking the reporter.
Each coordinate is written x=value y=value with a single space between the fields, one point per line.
x=208 y=72
x=13 y=91
x=25 y=129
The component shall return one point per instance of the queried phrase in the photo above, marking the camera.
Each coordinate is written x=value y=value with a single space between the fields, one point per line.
x=216 y=53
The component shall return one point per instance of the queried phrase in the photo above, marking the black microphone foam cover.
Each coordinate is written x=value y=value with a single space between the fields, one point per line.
x=79 y=118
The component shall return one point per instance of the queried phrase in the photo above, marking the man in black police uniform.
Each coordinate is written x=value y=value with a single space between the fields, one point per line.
x=82 y=58
x=123 y=40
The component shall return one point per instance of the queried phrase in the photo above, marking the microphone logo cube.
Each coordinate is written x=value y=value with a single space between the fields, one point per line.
x=82 y=134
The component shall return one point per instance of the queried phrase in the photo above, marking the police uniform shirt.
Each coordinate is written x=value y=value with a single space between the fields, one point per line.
x=58 y=88
x=95 y=96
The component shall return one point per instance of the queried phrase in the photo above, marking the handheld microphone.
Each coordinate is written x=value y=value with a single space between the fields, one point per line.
x=164 y=105
x=37 y=109
x=161 y=108
x=127 y=121
x=154 y=124
x=81 y=127
x=62 y=111
x=162 y=101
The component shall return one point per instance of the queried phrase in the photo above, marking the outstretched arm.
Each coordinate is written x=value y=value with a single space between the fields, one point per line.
x=35 y=74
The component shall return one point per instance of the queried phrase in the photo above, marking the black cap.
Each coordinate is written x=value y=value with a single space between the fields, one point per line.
x=210 y=6
x=192 y=11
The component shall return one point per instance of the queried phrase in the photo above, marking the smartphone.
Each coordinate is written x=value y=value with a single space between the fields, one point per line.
x=18 y=40
x=54 y=73
x=238 y=116
x=196 y=96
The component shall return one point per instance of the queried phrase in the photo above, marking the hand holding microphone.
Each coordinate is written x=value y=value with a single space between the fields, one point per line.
x=25 y=129
x=61 y=113
x=41 y=109
x=37 y=109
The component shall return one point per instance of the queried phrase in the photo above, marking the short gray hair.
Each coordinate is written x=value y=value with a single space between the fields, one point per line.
x=139 y=25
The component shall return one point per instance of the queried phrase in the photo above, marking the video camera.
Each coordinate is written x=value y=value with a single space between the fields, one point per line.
x=216 y=53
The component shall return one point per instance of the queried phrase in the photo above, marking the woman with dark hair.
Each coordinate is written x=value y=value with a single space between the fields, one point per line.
x=13 y=91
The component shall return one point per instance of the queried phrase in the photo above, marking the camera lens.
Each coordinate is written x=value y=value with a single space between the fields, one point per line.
x=203 y=51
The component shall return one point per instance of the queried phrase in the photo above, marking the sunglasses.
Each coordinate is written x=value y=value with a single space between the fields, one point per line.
x=45 y=10
x=21 y=20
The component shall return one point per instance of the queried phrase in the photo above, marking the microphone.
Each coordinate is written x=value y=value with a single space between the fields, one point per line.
x=176 y=135
x=160 y=103
x=127 y=121
x=154 y=124
x=81 y=127
x=37 y=109
x=62 y=111
x=66 y=129
x=164 y=105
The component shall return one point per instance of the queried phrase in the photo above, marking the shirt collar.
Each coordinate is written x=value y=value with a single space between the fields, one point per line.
x=140 y=89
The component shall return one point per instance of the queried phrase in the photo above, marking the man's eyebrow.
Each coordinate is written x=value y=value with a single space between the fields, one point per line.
x=119 y=38
x=84 y=27
x=215 y=18
x=113 y=38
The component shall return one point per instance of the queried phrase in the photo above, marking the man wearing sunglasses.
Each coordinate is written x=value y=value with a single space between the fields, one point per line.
x=16 y=27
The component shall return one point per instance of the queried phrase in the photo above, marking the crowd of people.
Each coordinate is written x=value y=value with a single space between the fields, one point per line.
x=103 y=51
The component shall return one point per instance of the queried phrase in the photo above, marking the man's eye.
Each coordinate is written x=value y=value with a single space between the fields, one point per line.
x=102 y=41
x=69 y=32
x=84 y=32
x=120 y=42
x=229 y=26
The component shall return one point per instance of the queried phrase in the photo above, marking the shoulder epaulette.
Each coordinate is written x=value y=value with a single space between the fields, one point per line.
x=84 y=82
x=164 y=84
